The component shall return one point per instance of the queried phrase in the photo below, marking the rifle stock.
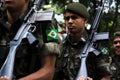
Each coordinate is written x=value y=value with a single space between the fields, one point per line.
x=7 y=68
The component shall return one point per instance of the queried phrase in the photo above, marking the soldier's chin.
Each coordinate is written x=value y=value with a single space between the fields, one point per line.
x=71 y=30
x=118 y=53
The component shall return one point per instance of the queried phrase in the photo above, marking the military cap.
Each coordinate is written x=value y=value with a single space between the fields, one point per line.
x=116 y=34
x=78 y=8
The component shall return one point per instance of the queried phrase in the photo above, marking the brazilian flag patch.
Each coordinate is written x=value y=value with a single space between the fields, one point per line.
x=52 y=34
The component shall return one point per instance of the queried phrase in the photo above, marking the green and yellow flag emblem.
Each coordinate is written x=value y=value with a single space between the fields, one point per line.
x=52 y=34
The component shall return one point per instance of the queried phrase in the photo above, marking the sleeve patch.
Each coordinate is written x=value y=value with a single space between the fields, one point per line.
x=52 y=34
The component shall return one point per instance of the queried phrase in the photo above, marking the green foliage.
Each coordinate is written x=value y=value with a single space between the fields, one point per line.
x=54 y=7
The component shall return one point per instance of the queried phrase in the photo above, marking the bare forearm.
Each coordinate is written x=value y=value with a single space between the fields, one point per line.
x=42 y=74
x=46 y=72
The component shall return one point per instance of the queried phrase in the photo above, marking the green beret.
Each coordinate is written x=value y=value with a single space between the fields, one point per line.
x=117 y=34
x=78 y=8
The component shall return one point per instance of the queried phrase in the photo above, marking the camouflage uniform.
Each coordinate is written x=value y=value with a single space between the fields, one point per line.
x=27 y=56
x=69 y=62
x=115 y=68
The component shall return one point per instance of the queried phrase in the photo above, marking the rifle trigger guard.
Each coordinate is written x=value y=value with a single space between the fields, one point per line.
x=33 y=28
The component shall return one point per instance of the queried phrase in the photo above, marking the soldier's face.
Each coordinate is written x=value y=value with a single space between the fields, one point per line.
x=14 y=4
x=74 y=23
x=116 y=45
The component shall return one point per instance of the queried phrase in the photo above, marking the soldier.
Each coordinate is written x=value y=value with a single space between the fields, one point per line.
x=76 y=16
x=32 y=62
x=115 y=62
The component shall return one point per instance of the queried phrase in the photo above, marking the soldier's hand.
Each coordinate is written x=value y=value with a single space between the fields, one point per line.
x=89 y=78
x=4 y=78
x=82 y=78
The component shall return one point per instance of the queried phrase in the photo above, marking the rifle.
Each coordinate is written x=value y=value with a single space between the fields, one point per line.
x=25 y=31
x=89 y=46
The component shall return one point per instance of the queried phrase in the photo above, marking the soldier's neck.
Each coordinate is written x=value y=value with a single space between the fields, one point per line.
x=75 y=37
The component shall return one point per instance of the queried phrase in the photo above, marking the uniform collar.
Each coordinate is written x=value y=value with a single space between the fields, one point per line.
x=80 y=42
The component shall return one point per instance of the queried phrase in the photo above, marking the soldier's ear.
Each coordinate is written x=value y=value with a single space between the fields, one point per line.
x=85 y=20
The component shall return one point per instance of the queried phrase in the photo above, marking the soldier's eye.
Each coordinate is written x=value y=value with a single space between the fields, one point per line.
x=116 y=42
